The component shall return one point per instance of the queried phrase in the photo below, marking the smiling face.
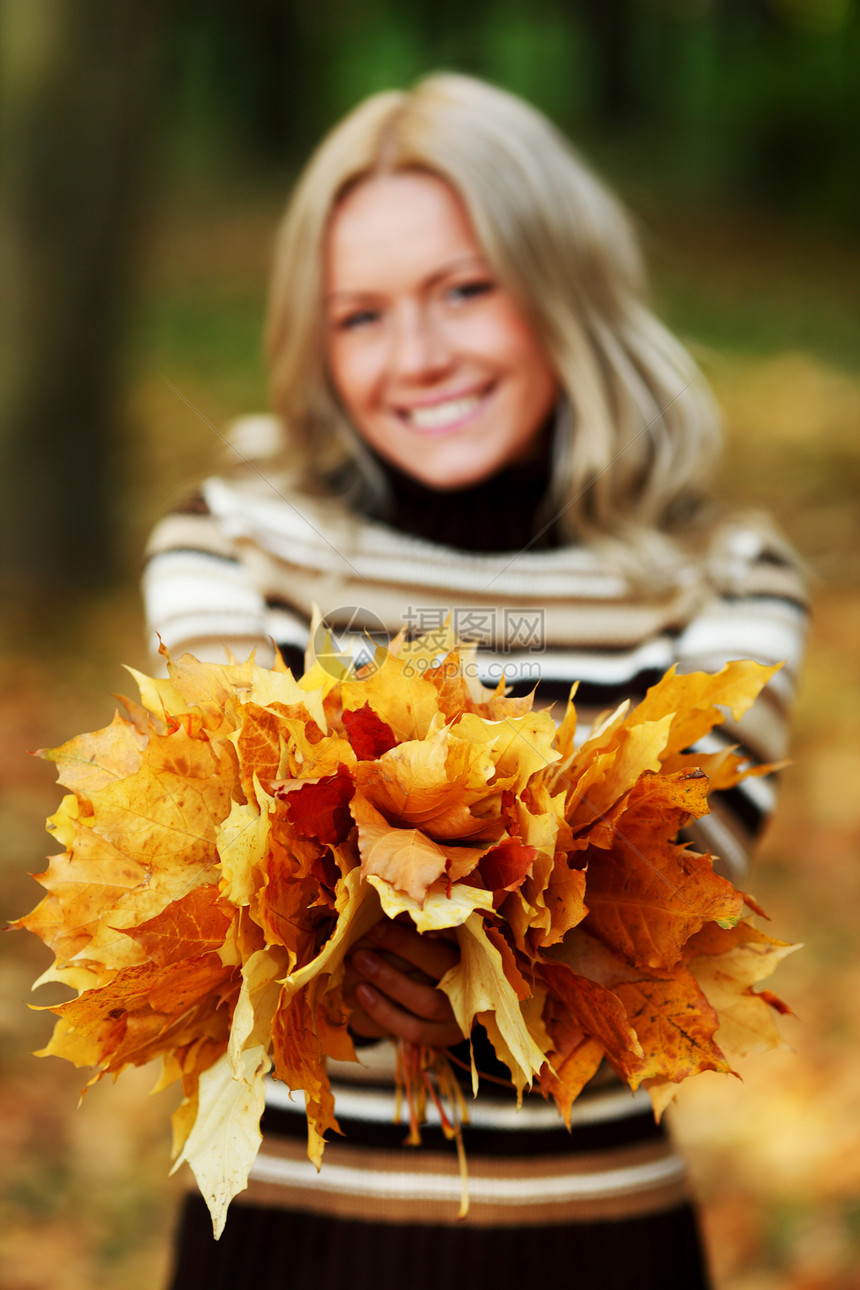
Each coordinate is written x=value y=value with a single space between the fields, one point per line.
x=432 y=360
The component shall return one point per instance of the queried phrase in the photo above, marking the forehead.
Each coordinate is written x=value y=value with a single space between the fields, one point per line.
x=405 y=225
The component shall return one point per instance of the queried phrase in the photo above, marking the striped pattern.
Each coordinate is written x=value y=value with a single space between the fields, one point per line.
x=524 y=1167
x=409 y=1186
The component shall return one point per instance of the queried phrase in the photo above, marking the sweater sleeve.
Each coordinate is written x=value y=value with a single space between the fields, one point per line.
x=198 y=596
x=758 y=610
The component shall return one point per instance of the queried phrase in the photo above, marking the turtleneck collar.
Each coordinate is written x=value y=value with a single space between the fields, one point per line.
x=502 y=513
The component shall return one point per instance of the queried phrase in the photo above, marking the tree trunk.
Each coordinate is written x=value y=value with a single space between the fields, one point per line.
x=75 y=85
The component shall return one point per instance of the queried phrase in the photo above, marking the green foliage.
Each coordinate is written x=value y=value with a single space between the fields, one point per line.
x=759 y=101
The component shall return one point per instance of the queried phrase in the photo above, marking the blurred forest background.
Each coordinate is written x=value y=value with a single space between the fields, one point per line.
x=147 y=151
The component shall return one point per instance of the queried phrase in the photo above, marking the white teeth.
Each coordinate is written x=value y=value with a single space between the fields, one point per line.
x=434 y=415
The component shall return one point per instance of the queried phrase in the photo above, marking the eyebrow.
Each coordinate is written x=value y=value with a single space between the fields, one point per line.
x=452 y=266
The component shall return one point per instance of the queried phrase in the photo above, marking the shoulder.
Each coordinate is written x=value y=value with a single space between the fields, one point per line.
x=747 y=557
x=755 y=605
x=190 y=526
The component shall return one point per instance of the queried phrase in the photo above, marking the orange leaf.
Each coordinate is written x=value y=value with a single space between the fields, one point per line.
x=406 y=858
x=574 y=1060
x=675 y=1025
x=192 y=925
x=299 y=1061
x=599 y=1013
x=647 y=895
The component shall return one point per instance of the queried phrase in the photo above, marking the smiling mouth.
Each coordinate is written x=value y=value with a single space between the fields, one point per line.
x=446 y=414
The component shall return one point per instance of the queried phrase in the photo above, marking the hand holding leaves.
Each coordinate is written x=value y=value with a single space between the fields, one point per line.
x=392 y=976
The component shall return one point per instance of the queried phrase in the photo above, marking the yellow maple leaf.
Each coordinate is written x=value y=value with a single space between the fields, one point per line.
x=442 y=907
x=434 y=784
x=727 y=977
x=224 y=1139
x=478 y=988
x=697 y=699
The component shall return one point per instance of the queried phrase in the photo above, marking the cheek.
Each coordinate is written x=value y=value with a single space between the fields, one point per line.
x=351 y=369
x=511 y=343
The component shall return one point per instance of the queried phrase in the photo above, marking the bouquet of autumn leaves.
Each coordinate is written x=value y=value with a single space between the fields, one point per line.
x=231 y=837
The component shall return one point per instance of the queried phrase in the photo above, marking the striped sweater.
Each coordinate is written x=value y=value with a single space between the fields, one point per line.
x=242 y=566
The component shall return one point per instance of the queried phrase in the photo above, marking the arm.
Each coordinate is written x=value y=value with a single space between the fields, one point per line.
x=758 y=610
x=197 y=593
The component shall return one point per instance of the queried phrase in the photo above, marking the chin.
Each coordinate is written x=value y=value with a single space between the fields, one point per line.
x=450 y=477
x=448 y=481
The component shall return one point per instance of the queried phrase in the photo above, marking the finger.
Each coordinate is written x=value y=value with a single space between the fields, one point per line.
x=361 y=1024
x=400 y=1024
x=416 y=996
x=432 y=955
x=352 y=975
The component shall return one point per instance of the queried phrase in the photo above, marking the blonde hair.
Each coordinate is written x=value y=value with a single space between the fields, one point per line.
x=637 y=434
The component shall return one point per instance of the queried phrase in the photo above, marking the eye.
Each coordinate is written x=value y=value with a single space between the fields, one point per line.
x=469 y=290
x=358 y=318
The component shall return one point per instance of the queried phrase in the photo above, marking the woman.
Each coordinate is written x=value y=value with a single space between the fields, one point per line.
x=482 y=419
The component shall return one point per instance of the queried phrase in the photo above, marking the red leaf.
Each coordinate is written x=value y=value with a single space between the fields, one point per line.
x=506 y=866
x=369 y=735
x=319 y=809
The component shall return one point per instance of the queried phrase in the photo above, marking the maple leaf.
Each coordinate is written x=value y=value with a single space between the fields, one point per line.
x=697 y=699
x=434 y=783
x=399 y=696
x=406 y=858
x=613 y=772
x=600 y=1014
x=519 y=746
x=646 y=894
x=357 y=909
x=506 y=866
x=727 y=966
x=574 y=1060
x=242 y=841
x=299 y=1060
x=90 y=762
x=319 y=808
x=675 y=1026
x=289 y=890
x=225 y=1137
x=85 y=885
x=443 y=906
x=459 y=690
x=369 y=735
x=127 y=1020
x=194 y=924
x=261 y=745
x=479 y=989
x=573 y=1057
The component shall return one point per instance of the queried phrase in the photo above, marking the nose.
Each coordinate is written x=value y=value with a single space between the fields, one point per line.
x=420 y=350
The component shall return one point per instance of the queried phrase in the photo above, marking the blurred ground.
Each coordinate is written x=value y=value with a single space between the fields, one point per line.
x=84 y=1198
